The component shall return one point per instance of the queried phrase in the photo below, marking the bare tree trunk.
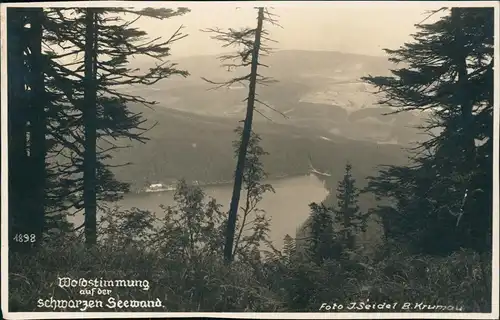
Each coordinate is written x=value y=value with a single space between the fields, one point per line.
x=90 y=121
x=17 y=123
x=246 y=211
x=38 y=104
x=247 y=129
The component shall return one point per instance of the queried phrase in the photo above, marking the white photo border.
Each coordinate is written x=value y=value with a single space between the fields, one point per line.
x=244 y=315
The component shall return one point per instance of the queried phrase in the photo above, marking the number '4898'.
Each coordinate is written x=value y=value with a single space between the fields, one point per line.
x=24 y=237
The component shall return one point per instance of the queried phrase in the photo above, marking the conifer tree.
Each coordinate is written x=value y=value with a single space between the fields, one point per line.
x=107 y=48
x=321 y=236
x=77 y=126
x=289 y=249
x=443 y=200
x=347 y=214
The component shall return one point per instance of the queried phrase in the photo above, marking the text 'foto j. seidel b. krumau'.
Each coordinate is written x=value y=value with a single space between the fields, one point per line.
x=386 y=306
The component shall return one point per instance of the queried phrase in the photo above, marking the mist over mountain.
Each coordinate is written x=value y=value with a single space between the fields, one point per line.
x=314 y=89
x=330 y=116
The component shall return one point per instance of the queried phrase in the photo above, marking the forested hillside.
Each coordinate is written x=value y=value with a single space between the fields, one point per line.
x=194 y=147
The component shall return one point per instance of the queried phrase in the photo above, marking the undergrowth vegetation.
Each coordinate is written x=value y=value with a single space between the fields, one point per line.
x=181 y=258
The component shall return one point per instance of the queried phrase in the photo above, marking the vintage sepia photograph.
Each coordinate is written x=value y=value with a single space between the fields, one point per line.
x=254 y=159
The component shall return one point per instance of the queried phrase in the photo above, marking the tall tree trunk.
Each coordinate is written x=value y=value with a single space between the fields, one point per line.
x=90 y=123
x=462 y=94
x=17 y=123
x=474 y=218
x=247 y=129
x=37 y=120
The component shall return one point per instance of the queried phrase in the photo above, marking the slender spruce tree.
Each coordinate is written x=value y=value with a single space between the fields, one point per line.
x=102 y=103
x=321 y=239
x=348 y=216
x=252 y=44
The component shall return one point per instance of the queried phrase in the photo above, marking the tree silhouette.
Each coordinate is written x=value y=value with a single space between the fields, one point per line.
x=251 y=39
x=347 y=214
x=443 y=198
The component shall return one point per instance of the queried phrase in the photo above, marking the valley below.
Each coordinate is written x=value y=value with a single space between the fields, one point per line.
x=317 y=116
x=320 y=109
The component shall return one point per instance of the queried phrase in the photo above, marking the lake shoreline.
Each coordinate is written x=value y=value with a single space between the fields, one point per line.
x=287 y=208
x=216 y=184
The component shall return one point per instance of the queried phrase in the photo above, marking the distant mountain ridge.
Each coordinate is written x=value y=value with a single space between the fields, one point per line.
x=321 y=89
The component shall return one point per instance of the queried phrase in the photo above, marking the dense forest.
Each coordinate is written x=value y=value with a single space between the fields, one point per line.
x=70 y=111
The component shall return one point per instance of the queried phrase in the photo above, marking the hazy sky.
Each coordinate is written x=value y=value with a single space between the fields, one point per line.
x=364 y=28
